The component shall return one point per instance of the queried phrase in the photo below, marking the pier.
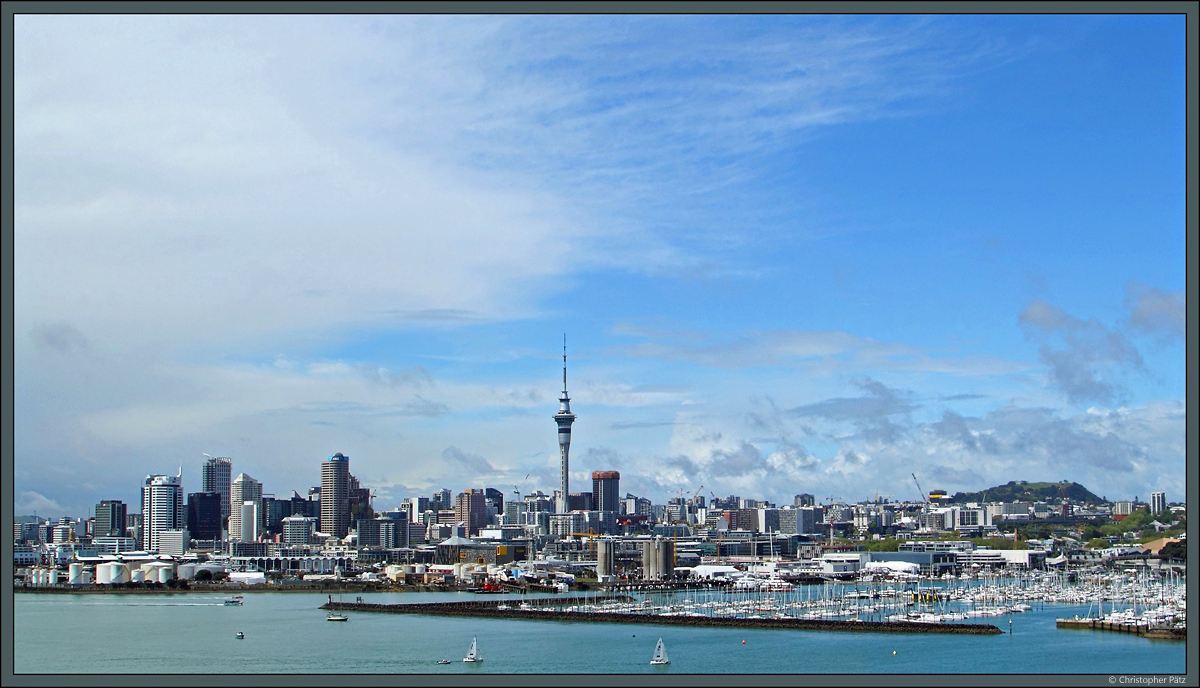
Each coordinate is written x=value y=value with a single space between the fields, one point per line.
x=1156 y=632
x=543 y=609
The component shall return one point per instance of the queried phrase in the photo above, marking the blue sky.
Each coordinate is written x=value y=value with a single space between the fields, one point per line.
x=789 y=253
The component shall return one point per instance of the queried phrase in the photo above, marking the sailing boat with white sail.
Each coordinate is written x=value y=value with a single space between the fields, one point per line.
x=473 y=653
x=660 y=654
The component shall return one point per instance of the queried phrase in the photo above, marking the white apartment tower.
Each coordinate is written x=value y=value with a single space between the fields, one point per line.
x=162 y=507
x=244 y=489
x=1158 y=502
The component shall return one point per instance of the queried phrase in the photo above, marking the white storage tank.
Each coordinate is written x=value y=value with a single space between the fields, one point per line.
x=120 y=572
x=186 y=571
x=103 y=573
x=165 y=574
x=137 y=576
x=75 y=574
x=86 y=578
x=52 y=577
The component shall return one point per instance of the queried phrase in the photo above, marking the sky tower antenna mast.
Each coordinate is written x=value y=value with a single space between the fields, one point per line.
x=564 y=418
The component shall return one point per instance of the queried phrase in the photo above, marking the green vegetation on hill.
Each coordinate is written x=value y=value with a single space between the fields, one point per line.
x=1022 y=491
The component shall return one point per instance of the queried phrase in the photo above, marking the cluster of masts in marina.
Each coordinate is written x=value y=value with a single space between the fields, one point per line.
x=1130 y=598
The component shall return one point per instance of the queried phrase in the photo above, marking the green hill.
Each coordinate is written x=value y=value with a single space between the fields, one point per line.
x=1022 y=491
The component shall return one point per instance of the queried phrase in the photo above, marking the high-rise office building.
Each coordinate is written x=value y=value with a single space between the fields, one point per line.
x=244 y=489
x=471 y=508
x=606 y=494
x=335 y=495
x=110 y=519
x=204 y=515
x=564 y=418
x=215 y=475
x=162 y=507
x=1158 y=502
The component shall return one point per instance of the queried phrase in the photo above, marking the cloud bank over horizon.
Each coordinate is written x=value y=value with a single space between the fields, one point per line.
x=791 y=253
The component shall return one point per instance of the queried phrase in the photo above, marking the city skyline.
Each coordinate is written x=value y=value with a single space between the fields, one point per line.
x=792 y=253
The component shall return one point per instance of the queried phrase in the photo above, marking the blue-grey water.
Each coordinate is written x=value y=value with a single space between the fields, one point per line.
x=286 y=633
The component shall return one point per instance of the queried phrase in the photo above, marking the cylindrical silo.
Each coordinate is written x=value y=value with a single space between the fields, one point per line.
x=120 y=572
x=666 y=558
x=186 y=571
x=52 y=577
x=137 y=576
x=604 y=558
x=75 y=574
x=649 y=561
x=103 y=573
x=165 y=574
x=86 y=578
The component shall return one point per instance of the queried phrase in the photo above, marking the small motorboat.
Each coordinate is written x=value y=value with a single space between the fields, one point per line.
x=240 y=635
x=443 y=661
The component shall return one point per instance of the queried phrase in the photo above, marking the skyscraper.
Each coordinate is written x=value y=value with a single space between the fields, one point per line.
x=335 y=495
x=110 y=519
x=162 y=507
x=204 y=515
x=606 y=493
x=471 y=508
x=214 y=477
x=564 y=418
x=243 y=489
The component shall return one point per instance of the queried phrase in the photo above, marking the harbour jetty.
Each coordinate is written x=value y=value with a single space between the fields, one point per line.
x=546 y=609
x=1155 y=632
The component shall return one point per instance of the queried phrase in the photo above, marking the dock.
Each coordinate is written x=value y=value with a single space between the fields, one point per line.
x=1156 y=632
x=541 y=609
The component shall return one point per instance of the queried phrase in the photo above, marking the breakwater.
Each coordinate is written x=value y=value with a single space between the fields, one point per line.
x=529 y=611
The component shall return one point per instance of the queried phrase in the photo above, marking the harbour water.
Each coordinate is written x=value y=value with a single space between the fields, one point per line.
x=287 y=633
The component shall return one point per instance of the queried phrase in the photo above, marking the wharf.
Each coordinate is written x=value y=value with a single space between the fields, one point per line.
x=1157 y=632
x=534 y=611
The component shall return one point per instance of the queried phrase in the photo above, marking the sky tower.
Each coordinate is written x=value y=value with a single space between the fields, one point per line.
x=564 y=418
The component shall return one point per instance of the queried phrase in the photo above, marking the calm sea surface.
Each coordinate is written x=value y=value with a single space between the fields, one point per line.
x=286 y=633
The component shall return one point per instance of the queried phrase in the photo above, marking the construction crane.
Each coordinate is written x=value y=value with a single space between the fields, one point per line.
x=924 y=497
x=829 y=515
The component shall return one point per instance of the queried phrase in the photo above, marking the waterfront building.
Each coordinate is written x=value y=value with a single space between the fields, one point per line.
x=204 y=515
x=564 y=418
x=243 y=489
x=335 y=495
x=173 y=542
x=162 y=507
x=215 y=476
x=1158 y=502
x=298 y=530
x=110 y=518
x=471 y=508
